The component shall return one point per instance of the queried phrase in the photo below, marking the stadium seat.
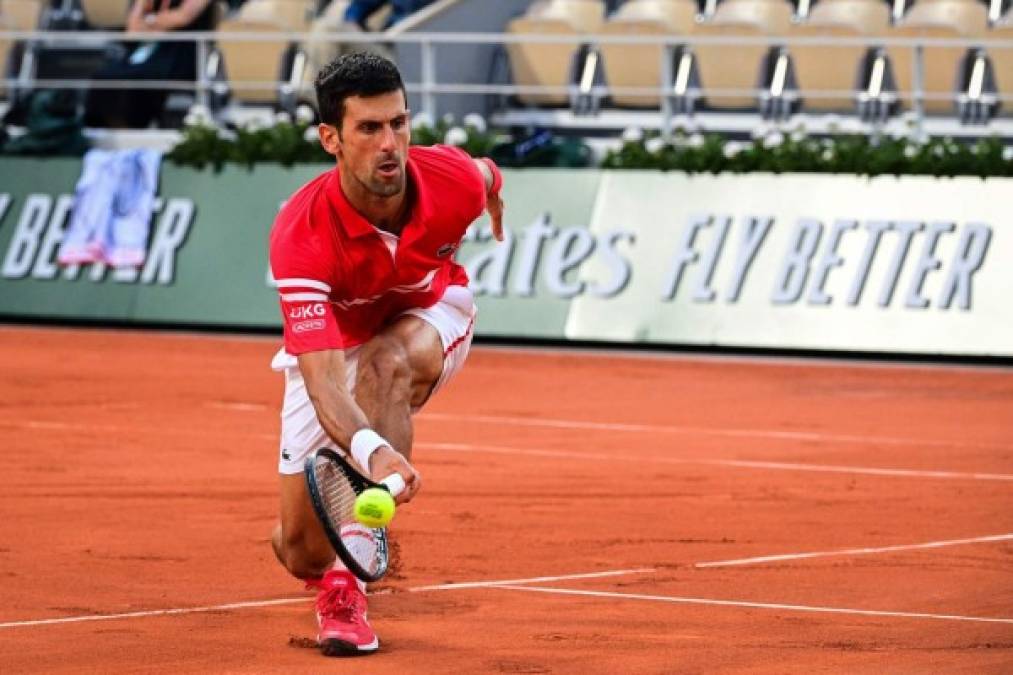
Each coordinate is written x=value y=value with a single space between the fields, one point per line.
x=15 y=15
x=819 y=68
x=640 y=65
x=942 y=65
x=249 y=62
x=550 y=64
x=1002 y=60
x=738 y=66
x=106 y=14
x=332 y=21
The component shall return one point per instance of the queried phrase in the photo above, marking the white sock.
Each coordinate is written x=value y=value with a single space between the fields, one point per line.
x=340 y=566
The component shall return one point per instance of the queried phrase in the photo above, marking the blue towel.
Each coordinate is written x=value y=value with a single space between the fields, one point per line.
x=113 y=202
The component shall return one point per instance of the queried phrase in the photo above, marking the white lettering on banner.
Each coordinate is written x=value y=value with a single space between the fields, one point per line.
x=42 y=226
x=907 y=230
x=926 y=263
x=967 y=260
x=754 y=232
x=25 y=242
x=795 y=264
x=619 y=267
x=5 y=202
x=703 y=292
x=831 y=258
x=45 y=262
x=531 y=251
x=574 y=246
x=488 y=269
x=684 y=255
x=811 y=259
x=876 y=229
x=570 y=248
x=173 y=226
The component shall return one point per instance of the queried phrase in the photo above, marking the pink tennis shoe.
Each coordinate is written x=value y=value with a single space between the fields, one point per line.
x=341 y=613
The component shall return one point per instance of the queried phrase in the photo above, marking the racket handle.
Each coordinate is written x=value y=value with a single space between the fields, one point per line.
x=394 y=483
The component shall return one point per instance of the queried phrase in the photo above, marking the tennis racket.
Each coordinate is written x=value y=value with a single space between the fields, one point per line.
x=333 y=485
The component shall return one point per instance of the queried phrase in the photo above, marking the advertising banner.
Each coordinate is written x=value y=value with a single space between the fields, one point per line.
x=907 y=265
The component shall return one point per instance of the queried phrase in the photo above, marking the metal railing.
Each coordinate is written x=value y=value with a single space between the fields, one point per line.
x=671 y=83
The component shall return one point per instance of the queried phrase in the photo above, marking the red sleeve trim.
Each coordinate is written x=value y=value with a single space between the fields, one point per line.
x=497 y=176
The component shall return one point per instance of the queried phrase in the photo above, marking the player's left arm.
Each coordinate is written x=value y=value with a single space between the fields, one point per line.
x=494 y=203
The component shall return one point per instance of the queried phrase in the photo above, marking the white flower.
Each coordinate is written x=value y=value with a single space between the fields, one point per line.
x=833 y=123
x=311 y=135
x=304 y=114
x=773 y=139
x=199 y=114
x=760 y=131
x=696 y=140
x=449 y=119
x=910 y=150
x=476 y=122
x=282 y=117
x=1007 y=153
x=731 y=149
x=190 y=120
x=456 y=136
x=632 y=135
x=828 y=154
x=655 y=145
x=423 y=120
x=254 y=124
x=798 y=135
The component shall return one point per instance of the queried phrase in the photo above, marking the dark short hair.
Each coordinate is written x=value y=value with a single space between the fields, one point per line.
x=357 y=74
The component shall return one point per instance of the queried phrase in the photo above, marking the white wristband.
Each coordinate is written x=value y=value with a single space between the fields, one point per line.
x=364 y=443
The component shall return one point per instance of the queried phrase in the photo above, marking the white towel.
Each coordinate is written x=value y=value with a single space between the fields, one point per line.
x=113 y=201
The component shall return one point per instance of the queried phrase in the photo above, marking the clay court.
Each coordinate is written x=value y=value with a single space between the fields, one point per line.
x=581 y=512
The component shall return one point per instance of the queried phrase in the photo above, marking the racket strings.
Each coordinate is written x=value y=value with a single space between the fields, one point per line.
x=338 y=493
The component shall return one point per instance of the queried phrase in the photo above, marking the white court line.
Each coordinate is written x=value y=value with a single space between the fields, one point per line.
x=533 y=580
x=121 y=429
x=754 y=605
x=288 y=601
x=154 y=612
x=705 y=431
x=853 y=551
x=465 y=447
x=775 y=466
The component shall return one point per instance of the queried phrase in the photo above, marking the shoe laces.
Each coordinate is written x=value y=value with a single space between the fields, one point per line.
x=341 y=602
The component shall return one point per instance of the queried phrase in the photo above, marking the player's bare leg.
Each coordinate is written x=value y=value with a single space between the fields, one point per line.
x=397 y=371
x=298 y=540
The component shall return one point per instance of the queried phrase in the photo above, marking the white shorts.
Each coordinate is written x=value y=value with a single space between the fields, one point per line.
x=453 y=317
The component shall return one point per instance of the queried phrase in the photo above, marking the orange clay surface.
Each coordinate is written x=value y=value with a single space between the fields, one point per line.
x=139 y=476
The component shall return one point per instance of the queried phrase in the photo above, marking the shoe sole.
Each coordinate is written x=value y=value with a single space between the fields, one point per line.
x=334 y=647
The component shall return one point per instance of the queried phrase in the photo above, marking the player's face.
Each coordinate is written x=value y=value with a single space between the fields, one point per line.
x=373 y=143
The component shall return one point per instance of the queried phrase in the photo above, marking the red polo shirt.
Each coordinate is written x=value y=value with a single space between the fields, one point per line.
x=338 y=280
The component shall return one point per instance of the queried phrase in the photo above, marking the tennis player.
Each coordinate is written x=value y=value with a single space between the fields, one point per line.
x=377 y=315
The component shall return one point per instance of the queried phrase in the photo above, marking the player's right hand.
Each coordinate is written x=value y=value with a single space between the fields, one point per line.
x=385 y=461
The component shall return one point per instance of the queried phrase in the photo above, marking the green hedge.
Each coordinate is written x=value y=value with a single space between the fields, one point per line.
x=288 y=142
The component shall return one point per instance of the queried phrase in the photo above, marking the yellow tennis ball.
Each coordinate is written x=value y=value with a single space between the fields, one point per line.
x=374 y=507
